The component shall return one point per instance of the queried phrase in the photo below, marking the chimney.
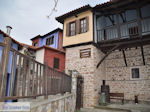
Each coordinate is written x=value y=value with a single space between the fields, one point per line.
x=8 y=29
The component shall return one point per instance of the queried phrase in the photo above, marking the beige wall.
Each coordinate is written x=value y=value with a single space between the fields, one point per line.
x=40 y=55
x=79 y=38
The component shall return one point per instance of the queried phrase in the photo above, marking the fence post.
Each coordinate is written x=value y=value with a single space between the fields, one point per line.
x=74 y=75
x=46 y=81
x=4 y=66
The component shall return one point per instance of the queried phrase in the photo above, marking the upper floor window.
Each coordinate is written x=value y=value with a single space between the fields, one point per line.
x=35 y=44
x=131 y=15
x=83 y=25
x=145 y=11
x=77 y=26
x=72 y=29
x=50 y=41
x=56 y=63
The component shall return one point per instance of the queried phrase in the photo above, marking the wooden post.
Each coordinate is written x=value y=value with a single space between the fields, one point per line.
x=18 y=76
x=45 y=82
x=139 y=22
x=28 y=77
x=4 y=67
x=24 y=76
x=118 y=26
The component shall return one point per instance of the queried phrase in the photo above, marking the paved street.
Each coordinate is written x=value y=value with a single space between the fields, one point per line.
x=120 y=108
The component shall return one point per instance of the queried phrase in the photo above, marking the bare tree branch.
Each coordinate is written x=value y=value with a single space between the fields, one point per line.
x=54 y=9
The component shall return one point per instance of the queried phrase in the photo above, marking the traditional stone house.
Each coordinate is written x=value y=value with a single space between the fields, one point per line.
x=111 y=42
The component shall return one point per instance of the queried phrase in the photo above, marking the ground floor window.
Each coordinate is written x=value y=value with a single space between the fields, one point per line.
x=135 y=73
x=56 y=63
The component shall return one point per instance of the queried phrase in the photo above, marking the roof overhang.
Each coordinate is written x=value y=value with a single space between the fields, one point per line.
x=73 y=13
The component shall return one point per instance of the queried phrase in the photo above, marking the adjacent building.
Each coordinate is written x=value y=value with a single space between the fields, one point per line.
x=110 y=42
x=48 y=49
x=11 y=63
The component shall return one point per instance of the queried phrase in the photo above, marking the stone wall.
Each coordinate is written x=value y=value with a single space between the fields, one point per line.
x=57 y=103
x=87 y=69
x=113 y=70
x=120 y=78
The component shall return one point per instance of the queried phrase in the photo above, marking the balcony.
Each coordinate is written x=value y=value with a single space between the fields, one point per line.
x=128 y=30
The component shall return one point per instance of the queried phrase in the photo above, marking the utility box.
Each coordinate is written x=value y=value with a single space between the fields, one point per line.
x=105 y=89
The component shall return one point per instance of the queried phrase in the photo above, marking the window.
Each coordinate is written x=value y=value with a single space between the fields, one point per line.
x=50 y=41
x=135 y=73
x=83 y=25
x=85 y=53
x=72 y=29
x=145 y=11
x=78 y=26
x=56 y=63
x=35 y=44
x=131 y=15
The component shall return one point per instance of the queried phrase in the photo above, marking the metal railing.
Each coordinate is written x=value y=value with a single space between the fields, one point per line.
x=23 y=77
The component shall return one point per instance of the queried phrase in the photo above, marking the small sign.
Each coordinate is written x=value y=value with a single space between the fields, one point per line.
x=85 y=53
x=15 y=106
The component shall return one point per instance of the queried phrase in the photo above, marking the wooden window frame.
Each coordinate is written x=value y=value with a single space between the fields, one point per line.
x=84 y=25
x=35 y=44
x=135 y=68
x=70 y=30
x=50 y=40
x=56 y=65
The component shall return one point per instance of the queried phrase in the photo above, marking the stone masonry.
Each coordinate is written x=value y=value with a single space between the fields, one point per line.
x=113 y=70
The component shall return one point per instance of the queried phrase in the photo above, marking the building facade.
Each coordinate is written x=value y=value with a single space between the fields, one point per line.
x=12 y=64
x=48 y=49
x=109 y=42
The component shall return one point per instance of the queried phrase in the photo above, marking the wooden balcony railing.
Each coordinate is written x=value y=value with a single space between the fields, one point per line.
x=127 y=30
x=23 y=77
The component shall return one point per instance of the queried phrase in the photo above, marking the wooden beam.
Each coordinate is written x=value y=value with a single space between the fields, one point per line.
x=142 y=52
x=111 y=19
x=118 y=26
x=124 y=42
x=123 y=18
x=124 y=57
x=139 y=21
x=114 y=48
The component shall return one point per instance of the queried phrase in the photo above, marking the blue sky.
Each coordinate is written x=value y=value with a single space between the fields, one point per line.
x=28 y=17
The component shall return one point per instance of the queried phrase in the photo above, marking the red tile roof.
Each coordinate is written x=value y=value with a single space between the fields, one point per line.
x=35 y=48
x=6 y=35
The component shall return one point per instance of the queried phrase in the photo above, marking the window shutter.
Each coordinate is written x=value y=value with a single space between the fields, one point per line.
x=87 y=23
x=77 y=26
x=67 y=29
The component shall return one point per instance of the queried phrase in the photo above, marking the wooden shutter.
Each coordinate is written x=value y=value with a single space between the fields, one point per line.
x=87 y=23
x=67 y=29
x=85 y=53
x=77 y=26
